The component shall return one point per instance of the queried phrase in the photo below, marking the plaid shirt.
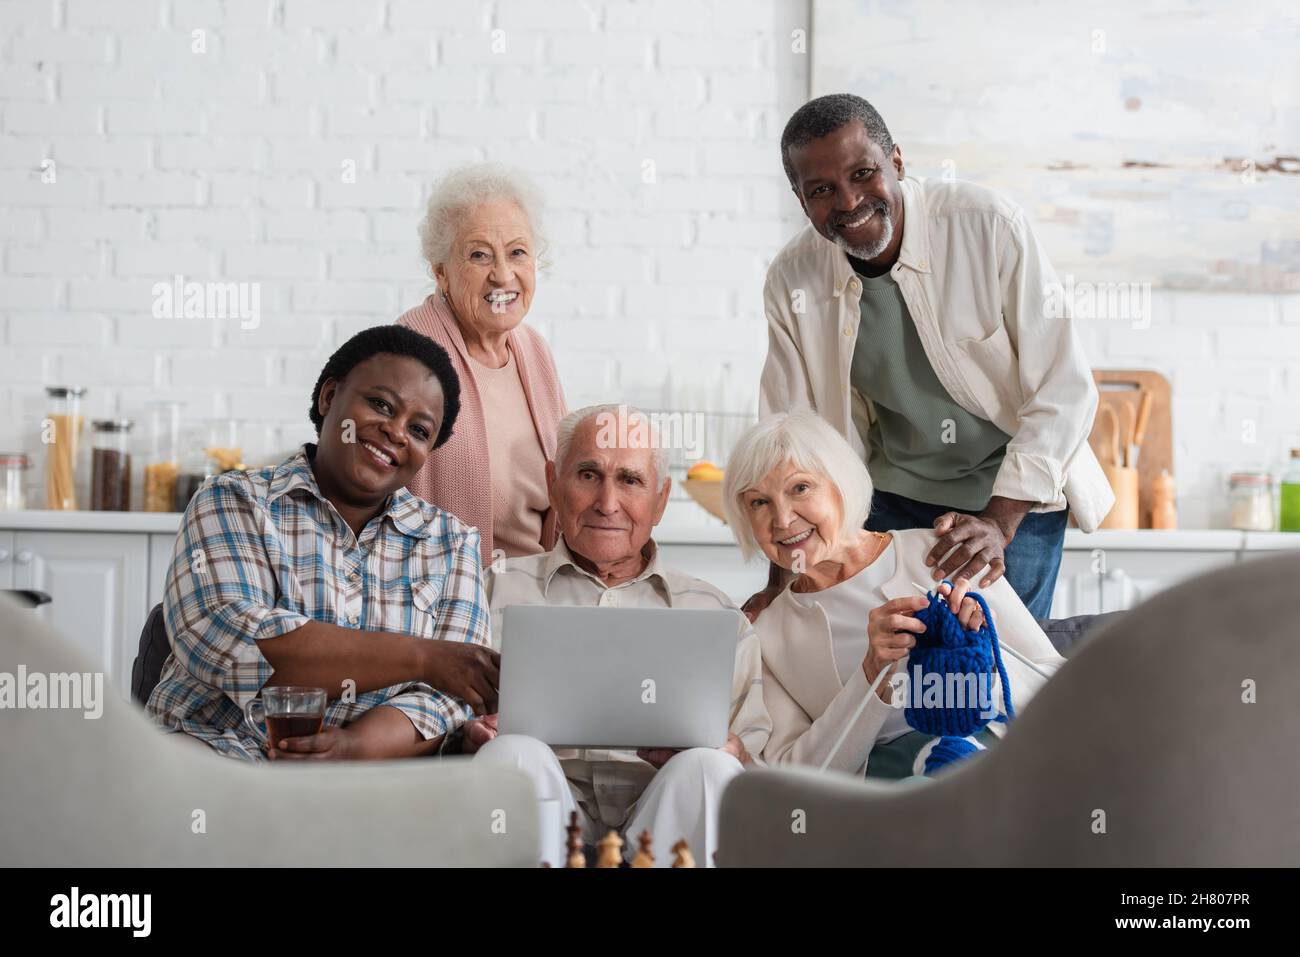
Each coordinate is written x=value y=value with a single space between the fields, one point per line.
x=261 y=553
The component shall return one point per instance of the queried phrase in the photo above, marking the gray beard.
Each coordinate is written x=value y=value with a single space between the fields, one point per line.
x=867 y=252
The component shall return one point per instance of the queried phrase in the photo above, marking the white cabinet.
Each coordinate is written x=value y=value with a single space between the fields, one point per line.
x=98 y=586
x=1116 y=570
x=1131 y=578
x=6 y=559
x=1077 y=585
x=160 y=556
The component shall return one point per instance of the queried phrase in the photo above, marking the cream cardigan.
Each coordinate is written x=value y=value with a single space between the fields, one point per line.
x=809 y=706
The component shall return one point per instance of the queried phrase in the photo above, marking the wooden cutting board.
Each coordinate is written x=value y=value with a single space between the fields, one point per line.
x=1121 y=390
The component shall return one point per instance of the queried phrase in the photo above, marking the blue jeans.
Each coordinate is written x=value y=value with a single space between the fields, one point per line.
x=1033 y=558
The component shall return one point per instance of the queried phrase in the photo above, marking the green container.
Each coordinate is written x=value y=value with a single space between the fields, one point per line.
x=1289 y=520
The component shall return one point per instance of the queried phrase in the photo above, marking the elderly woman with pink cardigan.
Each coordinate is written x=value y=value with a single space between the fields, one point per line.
x=481 y=240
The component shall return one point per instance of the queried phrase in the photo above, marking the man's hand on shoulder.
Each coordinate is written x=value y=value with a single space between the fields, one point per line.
x=969 y=543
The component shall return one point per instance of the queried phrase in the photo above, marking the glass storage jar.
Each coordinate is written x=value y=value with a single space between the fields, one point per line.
x=13 y=481
x=164 y=464
x=61 y=434
x=223 y=447
x=1251 y=498
x=110 y=465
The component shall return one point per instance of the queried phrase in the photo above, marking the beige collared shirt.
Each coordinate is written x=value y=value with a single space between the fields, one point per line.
x=990 y=313
x=608 y=783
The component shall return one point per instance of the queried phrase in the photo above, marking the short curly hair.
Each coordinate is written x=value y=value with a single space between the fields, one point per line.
x=398 y=341
x=825 y=115
x=465 y=187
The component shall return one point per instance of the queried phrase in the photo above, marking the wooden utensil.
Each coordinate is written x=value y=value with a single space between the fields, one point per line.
x=1140 y=428
x=1123 y=480
x=1130 y=420
x=1113 y=419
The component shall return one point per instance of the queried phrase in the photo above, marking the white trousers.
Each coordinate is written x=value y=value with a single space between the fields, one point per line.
x=681 y=800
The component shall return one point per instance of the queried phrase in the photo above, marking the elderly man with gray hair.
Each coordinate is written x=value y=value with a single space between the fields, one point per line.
x=607 y=497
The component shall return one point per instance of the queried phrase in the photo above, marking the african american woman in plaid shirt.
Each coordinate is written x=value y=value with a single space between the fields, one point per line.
x=325 y=570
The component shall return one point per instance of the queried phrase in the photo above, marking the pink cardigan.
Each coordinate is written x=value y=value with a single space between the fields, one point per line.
x=456 y=477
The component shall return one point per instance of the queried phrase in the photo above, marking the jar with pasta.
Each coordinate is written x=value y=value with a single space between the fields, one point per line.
x=61 y=435
x=163 y=467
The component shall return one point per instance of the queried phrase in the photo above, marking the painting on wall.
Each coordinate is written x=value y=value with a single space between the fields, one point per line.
x=1148 y=143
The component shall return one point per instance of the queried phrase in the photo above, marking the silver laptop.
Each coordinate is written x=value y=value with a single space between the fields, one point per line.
x=618 y=677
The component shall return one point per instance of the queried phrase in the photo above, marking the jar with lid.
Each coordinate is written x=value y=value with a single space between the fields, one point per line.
x=13 y=481
x=61 y=434
x=164 y=464
x=193 y=473
x=110 y=465
x=223 y=449
x=213 y=448
x=1251 y=500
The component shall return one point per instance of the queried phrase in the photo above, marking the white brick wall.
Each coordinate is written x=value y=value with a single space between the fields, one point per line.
x=225 y=165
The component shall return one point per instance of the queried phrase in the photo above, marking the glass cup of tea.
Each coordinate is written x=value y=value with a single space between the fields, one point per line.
x=288 y=712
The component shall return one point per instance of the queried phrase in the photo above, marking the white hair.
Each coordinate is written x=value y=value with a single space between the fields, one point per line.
x=469 y=186
x=807 y=441
x=616 y=416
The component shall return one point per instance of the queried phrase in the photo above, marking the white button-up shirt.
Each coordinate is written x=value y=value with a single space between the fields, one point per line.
x=979 y=288
x=609 y=782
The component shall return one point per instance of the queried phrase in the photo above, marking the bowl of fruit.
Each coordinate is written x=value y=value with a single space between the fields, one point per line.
x=704 y=484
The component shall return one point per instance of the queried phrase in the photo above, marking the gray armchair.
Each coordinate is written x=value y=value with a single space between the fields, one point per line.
x=1145 y=750
x=115 y=791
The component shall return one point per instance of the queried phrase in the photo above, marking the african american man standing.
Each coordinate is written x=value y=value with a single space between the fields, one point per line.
x=915 y=317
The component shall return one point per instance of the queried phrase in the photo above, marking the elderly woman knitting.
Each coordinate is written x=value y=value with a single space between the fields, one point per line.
x=795 y=490
x=481 y=239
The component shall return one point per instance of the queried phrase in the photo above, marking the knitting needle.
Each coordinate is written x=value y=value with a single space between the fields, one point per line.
x=1005 y=647
x=854 y=720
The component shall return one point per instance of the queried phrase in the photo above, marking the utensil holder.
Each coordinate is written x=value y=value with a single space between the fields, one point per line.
x=1124 y=483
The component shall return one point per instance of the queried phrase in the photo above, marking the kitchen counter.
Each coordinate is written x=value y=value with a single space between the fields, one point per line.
x=684 y=531
x=44 y=520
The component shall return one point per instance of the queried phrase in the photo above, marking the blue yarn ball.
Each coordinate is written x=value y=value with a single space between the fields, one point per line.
x=948 y=750
x=946 y=648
